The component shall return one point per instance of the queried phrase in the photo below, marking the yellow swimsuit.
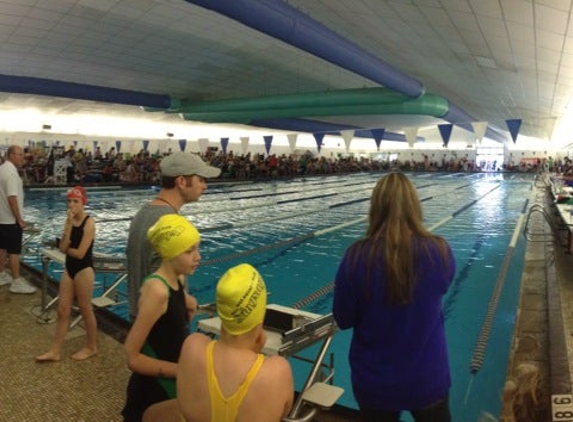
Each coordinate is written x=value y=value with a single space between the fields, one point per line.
x=225 y=409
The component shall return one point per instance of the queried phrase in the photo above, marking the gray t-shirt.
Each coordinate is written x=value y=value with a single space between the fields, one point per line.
x=141 y=259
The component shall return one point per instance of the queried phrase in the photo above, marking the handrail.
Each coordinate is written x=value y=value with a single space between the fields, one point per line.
x=306 y=418
x=529 y=234
x=543 y=179
x=311 y=377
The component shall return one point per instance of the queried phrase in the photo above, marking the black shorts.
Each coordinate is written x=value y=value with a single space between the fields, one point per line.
x=11 y=238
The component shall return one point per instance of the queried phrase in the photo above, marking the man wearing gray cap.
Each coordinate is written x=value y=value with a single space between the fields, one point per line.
x=183 y=180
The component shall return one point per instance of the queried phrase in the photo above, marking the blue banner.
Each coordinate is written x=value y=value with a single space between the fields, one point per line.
x=182 y=144
x=318 y=137
x=268 y=142
x=224 y=144
x=117 y=146
x=446 y=132
x=378 y=134
x=145 y=144
x=513 y=125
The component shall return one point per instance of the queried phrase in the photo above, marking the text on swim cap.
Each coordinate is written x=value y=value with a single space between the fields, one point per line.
x=242 y=311
x=167 y=233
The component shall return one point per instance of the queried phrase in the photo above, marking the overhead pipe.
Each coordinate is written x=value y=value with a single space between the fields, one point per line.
x=280 y=20
x=53 y=88
x=428 y=105
x=274 y=18
x=334 y=98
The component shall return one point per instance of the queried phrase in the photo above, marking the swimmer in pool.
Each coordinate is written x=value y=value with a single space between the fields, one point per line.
x=77 y=279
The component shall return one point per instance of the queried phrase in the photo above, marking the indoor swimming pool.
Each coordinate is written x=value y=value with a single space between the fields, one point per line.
x=295 y=233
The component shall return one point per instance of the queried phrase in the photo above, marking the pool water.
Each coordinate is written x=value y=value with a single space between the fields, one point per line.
x=295 y=233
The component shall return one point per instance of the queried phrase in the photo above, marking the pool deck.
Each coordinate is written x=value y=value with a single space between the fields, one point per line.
x=67 y=391
x=94 y=390
x=544 y=327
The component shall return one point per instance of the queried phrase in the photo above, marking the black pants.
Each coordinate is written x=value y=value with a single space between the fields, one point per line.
x=436 y=412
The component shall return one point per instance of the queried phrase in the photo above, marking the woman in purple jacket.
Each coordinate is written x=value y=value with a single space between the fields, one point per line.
x=388 y=289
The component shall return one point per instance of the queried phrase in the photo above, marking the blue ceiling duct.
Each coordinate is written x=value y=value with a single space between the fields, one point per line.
x=277 y=19
x=282 y=21
x=49 y=87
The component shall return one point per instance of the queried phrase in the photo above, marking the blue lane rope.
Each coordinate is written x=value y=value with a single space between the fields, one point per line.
x=238 y=255
x=462 y=209
x=330 y=286
x=303 y=238
x=342 y=188
x=483 y=338
x=227 y=226
x=313 y=296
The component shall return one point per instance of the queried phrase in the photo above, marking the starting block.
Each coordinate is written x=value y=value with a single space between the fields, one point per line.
x=103 y=263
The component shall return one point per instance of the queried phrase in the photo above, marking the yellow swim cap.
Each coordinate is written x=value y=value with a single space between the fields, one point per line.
x=241 y=299
x=172 y=235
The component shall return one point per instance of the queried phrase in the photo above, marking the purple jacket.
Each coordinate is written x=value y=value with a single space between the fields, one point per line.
x=398 y=355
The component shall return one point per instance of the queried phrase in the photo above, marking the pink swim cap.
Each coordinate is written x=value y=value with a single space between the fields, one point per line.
x=78 y=192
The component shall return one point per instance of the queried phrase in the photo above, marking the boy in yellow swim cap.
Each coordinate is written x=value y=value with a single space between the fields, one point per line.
x=164 y=312
x=229 y=379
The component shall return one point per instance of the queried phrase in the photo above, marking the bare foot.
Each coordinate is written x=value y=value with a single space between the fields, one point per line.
x=48 y=357
x=84 y=354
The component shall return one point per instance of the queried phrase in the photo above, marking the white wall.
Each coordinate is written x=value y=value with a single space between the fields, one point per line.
x=332 y=146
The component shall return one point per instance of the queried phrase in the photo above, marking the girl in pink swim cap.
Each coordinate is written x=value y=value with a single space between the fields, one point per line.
x=78 y=278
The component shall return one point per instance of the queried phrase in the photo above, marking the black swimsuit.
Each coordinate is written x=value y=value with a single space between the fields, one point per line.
x=163 y=342
x=75 y=265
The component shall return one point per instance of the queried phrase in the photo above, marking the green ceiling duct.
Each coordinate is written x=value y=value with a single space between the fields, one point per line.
x=370 y=101
x=313 y=99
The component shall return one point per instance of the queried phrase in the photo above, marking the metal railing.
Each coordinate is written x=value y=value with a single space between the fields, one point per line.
x=533 y=234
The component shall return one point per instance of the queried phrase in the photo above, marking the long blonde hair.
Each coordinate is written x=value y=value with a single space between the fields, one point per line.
x=394 y=219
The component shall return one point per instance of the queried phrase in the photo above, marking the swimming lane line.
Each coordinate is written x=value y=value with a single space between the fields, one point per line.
x=483 y=338
x=462 y=209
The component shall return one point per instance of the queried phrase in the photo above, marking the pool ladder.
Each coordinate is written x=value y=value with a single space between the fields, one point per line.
x=537 y=234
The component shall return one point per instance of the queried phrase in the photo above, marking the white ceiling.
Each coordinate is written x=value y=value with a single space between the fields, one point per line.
x=494 y=59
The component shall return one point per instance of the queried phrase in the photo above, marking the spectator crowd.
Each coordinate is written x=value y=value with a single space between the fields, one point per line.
x=84 y=166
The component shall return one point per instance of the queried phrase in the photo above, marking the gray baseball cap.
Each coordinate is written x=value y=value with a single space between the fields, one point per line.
x=186 y=164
